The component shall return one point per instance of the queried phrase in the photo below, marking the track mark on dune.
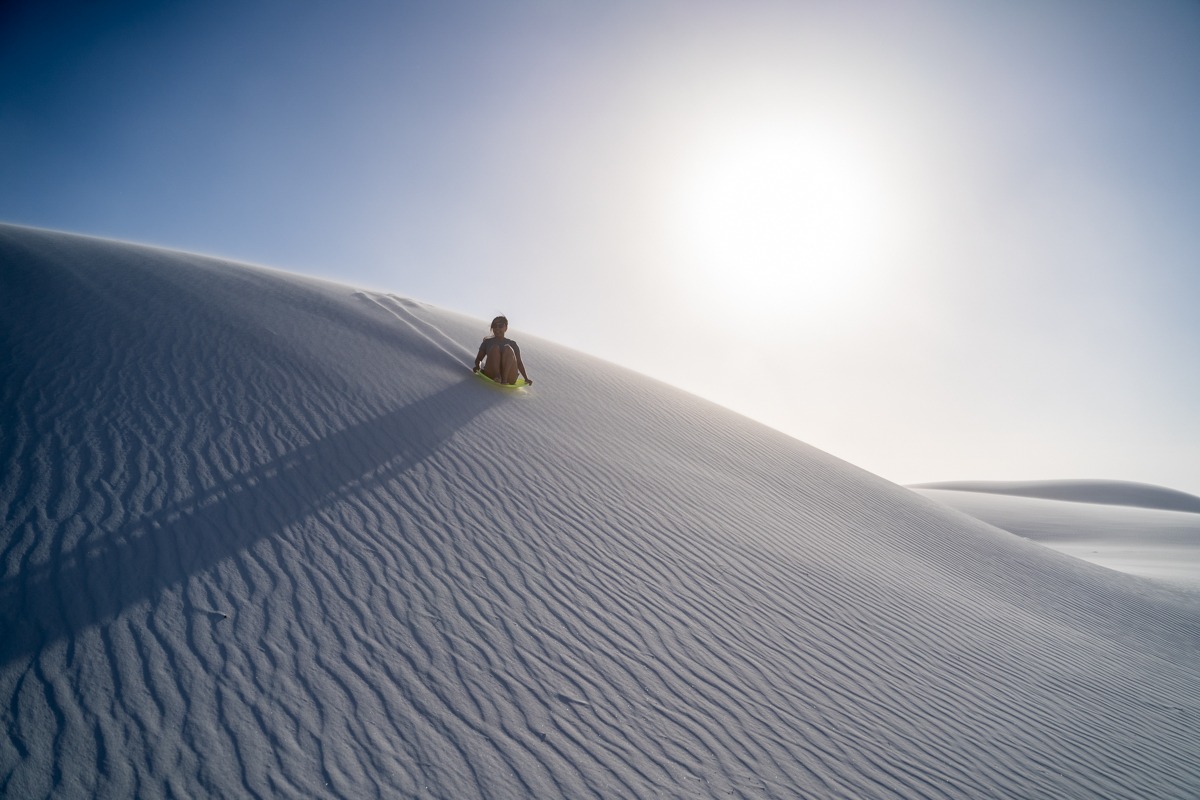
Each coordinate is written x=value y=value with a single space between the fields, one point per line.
x=212 y=613
x=423 y=328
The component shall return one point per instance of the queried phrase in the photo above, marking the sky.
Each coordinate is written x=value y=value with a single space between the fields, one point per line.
x=940 y=240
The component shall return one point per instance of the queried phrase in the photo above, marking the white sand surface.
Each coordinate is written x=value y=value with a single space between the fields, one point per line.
x=1099 y=492
x=1130 y=527
x=265 y=536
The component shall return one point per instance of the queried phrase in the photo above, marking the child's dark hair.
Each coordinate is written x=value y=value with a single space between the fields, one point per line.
x=500 y=321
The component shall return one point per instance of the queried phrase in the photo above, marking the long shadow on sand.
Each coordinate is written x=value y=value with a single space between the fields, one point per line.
x=139 y=558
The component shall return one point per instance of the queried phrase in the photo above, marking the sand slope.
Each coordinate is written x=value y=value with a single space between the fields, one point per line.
x=267 y=537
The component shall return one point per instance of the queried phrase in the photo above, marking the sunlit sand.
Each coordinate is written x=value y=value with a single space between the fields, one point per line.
x=267 y=536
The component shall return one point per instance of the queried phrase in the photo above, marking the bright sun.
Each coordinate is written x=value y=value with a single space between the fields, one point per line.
x=782 y=219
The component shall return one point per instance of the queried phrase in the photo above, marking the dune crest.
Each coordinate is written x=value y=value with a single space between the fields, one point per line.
x=265 y=536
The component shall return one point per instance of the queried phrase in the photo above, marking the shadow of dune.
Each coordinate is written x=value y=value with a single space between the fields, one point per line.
x=138 y=558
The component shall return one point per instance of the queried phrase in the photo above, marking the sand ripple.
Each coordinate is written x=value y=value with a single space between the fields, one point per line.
x=266 y=537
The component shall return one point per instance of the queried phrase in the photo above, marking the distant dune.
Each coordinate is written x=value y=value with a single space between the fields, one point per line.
x=1113 y=493
x=1138 y=539
x=266 y=536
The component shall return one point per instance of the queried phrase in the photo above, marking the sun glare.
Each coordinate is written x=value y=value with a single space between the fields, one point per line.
x=781 y=219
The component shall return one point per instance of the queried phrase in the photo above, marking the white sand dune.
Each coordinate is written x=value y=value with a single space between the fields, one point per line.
x=1103 y=492
x=1134 y=528
x=266 y=536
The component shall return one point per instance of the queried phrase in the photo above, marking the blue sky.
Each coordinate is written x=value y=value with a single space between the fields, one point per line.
x=941 y=240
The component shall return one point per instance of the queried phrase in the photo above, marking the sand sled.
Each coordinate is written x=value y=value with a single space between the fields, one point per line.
x=521 y=382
